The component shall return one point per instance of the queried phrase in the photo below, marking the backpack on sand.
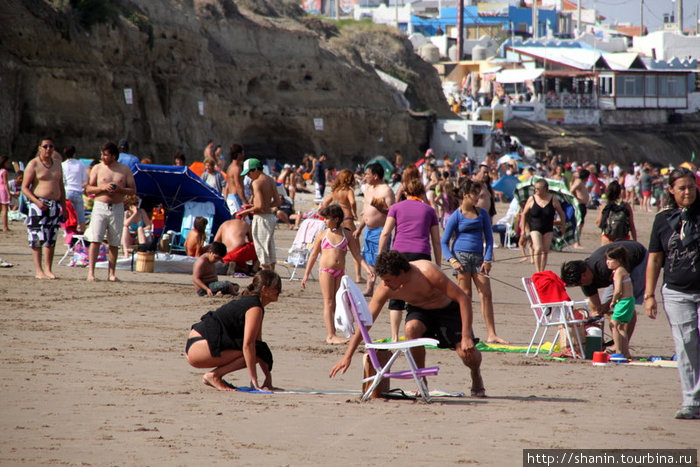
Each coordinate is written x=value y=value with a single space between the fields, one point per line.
x=616 y=221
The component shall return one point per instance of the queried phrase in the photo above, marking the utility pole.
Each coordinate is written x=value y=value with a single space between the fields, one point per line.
x=641 y=17
x=460 y=30
x=679 y=15
x=535 y=26
x=578 y=17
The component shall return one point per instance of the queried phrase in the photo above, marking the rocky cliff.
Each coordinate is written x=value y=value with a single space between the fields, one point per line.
x=257 y=72
x=659 y=144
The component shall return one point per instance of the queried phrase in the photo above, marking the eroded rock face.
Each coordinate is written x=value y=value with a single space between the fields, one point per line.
x=262 y=80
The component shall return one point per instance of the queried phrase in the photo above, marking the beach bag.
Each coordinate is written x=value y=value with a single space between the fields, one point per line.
x=616 y=221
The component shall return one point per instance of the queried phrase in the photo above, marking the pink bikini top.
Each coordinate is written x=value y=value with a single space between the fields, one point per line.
x=342 y=245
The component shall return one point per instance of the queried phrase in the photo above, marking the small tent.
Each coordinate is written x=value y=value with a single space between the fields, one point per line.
x=172 y=186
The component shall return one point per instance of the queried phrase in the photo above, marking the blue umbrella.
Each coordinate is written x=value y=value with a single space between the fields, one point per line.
x=506 y=185
x=172 y=186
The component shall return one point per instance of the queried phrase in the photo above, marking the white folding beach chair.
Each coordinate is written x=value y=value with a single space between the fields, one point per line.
x=298 y=253
x=554 y=314
x=352 y=300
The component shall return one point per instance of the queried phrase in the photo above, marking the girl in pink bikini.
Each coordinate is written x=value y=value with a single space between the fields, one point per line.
x=333 y=244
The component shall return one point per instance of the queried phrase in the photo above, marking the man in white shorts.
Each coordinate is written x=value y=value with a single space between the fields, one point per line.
x=264 y=200
x=109 y=181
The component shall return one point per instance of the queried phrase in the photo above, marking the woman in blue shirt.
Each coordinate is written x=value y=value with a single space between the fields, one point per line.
x=471 y=228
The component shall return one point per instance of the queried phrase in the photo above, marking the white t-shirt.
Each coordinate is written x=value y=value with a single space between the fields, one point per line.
x=74 y=174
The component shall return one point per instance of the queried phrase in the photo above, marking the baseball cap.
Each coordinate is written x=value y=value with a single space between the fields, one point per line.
x=250 y=164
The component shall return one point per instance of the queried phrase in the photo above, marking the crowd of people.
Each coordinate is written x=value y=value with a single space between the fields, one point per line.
x=413 y=216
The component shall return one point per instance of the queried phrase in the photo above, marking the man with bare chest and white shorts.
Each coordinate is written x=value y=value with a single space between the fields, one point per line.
x=264 y=199
x=43 y=187
x=109 y=181
x=378 y=198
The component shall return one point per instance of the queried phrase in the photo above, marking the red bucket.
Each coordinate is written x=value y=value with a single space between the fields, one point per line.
x=601 y=359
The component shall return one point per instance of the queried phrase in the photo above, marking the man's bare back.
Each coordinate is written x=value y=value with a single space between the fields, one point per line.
x=234 y=181
x=233 y=233
x=579 y=190
x=424 y=288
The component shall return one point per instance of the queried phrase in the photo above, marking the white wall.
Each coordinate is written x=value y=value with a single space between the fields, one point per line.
x=667 y=45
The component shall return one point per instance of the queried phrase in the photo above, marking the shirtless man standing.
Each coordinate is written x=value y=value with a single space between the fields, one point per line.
x=436 y=308
x=236 y=235
x=43 y=186
x=265 y=199
x=233 y=191
x=378 y=198
x=579 y=190
x=109 y=181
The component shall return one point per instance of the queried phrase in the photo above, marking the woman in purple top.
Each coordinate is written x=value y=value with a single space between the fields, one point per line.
x=416 y=225
x=471 y=228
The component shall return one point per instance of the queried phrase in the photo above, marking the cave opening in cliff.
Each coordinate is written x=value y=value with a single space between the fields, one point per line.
x=276 y=140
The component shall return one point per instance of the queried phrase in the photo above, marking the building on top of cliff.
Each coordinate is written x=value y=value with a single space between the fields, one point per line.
x=572 y=82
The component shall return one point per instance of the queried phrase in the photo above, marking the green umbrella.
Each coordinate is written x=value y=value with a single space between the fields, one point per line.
x=569 y=203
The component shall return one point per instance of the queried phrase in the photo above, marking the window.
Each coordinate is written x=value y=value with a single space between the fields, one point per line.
x=672 y=86
x=650 y=86
x=629 y=85
x=605 y=85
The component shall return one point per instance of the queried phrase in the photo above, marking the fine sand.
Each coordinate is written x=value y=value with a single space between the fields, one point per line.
x=95 y=374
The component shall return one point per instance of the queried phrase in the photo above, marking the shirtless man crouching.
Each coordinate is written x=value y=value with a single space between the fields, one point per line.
x=109 y=181
x=436 y=307
x=236 y=235
x=378 y=198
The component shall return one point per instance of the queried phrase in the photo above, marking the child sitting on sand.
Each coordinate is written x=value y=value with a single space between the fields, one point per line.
x=622 y=300
x=204 y=277
x=333 y=244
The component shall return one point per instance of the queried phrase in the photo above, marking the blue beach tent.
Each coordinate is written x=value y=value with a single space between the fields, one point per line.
x=172 y=186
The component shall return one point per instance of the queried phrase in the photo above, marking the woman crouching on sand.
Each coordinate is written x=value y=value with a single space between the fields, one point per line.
x=230 y=338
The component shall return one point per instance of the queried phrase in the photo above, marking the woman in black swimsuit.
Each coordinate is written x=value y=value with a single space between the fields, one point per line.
x=230 y=338
x=539 y=211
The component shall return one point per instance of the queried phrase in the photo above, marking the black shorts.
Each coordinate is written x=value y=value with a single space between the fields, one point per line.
x=400 y=304
x=443 y=324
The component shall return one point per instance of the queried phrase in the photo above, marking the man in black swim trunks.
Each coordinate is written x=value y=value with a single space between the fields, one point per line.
x=437 y=308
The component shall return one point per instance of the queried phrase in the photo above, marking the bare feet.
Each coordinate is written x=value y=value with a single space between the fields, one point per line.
x=113 y=279
x=478 y=392
x=50 y=275
x=91 y=278
x=217 y=383
x=522 y=260
x=496 y=340
x=40 y=275
x=335 y=340
x=578 y=246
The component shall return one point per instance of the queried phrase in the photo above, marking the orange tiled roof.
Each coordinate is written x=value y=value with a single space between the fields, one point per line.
x=631 y=30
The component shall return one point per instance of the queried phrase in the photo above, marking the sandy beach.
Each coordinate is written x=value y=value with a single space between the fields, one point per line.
x=95 y=374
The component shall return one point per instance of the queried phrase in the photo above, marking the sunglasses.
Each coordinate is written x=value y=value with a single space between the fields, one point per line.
x=48 y=146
